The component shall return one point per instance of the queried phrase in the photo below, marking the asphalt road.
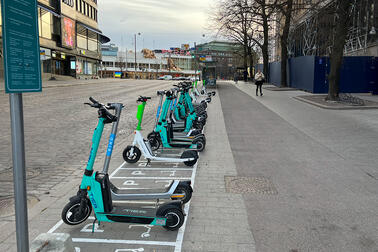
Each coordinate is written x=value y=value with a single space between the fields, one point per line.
x=311 y=195
x=58 y=128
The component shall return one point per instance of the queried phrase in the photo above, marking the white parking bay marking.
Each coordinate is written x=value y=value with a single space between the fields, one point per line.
x=130 y=183
x=159 y=168
x=131 y=250
x=116 y=170
x=155 y=178
x=180 y=234
x=89 y=228
x=112 y=241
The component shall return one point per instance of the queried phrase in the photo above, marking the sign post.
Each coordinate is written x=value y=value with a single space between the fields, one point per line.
x=22 y=73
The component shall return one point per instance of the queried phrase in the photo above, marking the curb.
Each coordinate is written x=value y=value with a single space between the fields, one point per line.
x=345 y=107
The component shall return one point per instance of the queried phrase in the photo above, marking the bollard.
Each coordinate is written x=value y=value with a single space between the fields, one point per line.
x=57 y=242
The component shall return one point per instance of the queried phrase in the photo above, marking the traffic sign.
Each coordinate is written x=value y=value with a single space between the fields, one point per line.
x=22 y=68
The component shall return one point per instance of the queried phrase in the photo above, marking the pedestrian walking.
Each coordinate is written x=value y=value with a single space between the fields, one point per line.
x=259 y=80
x=236 y=77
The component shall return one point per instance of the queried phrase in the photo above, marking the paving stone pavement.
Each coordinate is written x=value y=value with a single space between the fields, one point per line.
x=58 y=128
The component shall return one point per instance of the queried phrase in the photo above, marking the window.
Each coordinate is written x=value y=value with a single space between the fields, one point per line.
x=46 y=24
x=81 y=41
x=88 y=10
x=92 y=45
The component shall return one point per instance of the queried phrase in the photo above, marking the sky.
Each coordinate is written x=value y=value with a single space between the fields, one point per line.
x=162 y=23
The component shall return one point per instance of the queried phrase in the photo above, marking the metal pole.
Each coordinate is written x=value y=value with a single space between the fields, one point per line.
x=195 y=61
x=19 y=173
x=135 y=66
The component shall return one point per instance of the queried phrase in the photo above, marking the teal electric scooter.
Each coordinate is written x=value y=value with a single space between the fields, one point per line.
x=97 y=192
x=163 y=131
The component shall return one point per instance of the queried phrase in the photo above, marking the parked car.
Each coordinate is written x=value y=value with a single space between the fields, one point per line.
x=165 y=77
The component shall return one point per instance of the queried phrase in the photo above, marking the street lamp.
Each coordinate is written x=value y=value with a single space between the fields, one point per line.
x=135 y=62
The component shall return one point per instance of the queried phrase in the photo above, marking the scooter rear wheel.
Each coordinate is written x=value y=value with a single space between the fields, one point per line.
x=71 y=214
x=175 y=219
x=183 y=190
x=153 y=139
x=134 y=158
x=190 y=154
x=200 y=144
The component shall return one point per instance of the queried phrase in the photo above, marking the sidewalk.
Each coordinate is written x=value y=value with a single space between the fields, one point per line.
x=323 y=164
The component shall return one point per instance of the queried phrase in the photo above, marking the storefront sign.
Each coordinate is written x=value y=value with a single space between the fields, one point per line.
x=68 y=32
x=22 y=67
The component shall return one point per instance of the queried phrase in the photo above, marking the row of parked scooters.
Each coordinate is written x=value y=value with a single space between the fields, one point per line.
x=180 y=119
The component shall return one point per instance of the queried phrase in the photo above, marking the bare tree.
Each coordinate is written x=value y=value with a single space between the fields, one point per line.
x=232 y=20
x=343 y=14
x=262 y=13
x=121 y=60
x=285 y=9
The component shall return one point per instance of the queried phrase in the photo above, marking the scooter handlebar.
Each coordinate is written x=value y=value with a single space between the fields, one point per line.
x=143 y=98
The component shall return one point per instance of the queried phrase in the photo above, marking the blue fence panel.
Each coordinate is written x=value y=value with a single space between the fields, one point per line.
x=275 y=73
x=321 y=72
x=301 y=72
x=357 y=75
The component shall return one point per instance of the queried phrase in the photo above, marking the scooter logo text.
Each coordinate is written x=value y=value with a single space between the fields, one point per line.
x=93 y=200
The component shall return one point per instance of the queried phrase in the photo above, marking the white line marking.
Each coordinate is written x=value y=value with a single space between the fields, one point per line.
x=180 y=234
x=157 y=178
x=116 y=170
x=57 y=225
x=136 y=242
x=159 y=168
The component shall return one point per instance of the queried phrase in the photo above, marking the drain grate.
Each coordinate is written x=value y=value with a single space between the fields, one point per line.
x=258 y=185
x=7 y=175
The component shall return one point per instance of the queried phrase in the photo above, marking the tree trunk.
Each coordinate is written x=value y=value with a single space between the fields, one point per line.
x=284 y=38
x=245 y=63
x=264 y=48
x=265 y=54
x=336 y=56
x=250 y=53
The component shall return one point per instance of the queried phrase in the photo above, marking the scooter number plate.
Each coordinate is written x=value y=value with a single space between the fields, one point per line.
x=160 y=222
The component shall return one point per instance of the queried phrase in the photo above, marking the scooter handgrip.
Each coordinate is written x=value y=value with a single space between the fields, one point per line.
x=92 y=100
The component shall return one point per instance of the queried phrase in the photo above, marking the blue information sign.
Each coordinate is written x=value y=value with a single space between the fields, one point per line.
x=22 y=68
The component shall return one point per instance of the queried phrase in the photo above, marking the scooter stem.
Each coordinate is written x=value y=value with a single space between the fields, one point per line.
x=118 y=110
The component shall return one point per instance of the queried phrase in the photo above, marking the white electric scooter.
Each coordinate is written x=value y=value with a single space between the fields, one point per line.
x=132 y=153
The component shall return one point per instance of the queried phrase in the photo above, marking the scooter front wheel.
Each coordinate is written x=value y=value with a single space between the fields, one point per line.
x=74 y=213
x=175 y=219
x=131 y=158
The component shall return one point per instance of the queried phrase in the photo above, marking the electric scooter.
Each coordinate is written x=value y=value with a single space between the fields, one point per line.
x=185 y=110
x=132 y=153
x=163 y=131
x=97 y=192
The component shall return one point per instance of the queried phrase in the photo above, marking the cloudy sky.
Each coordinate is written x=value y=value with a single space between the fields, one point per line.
x=162 y=23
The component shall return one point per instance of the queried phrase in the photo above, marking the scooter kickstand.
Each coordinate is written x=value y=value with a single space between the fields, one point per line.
x=93 y=225
x=148 y=162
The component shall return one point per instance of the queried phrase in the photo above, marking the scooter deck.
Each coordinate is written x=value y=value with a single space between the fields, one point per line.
x=116 y=190
x=132 y=210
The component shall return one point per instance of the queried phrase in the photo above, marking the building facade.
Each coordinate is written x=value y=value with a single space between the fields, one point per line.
x=226 y=56
x=310 y=29
x=145 y=64
x=70 y=41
